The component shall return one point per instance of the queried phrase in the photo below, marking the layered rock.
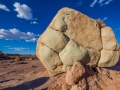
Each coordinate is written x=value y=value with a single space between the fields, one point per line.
x=74 y=37
x=86 y=78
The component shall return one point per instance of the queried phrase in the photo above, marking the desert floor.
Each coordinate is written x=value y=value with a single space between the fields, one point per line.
x=23 y=75
x=27 y=75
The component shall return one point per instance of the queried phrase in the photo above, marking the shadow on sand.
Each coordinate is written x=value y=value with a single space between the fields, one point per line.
x=30 y=85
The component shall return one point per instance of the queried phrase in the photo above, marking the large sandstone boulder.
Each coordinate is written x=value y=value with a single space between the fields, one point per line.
x=74 y=37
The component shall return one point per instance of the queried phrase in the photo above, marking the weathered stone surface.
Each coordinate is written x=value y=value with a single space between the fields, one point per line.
x=108 y=39
x=94 y=57
x=50 y=59
x=58 y=22
x=106 y=79
x=65 y=68
x=54 y=39
x=74 y=73
x=108 y=58
x=73 y=53
x=101 y=23
x=80 y=28
x=75 y=87
x=74 y=37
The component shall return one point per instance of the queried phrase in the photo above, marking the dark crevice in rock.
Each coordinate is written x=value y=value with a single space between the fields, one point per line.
x=94 y=69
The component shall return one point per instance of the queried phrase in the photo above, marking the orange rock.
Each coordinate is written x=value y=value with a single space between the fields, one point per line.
x=75 y=73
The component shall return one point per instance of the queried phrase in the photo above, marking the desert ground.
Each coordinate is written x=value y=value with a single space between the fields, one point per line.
x=27 y=75
x=23 y=75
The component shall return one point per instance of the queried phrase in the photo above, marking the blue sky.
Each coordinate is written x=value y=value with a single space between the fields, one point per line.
x=22 y=21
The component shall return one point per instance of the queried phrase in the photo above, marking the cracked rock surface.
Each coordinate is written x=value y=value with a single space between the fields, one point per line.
x=74 y=37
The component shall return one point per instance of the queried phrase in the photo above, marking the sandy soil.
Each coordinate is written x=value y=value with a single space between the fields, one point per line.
x=27 y=75
x=23 y=75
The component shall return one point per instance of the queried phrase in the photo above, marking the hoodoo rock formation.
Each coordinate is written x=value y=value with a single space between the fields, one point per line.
x=74 y=37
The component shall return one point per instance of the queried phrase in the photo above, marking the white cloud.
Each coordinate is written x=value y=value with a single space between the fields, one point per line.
x=3 y=7
x=108 y=2
x=23 y=11
x=101 y=2
x=94 y=2
x=19 y=49
x=105 y=18
x=31 y=40
x=34 y=22
x=15 y=34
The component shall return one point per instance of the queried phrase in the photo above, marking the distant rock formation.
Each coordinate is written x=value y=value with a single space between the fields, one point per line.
x=3 y=56
x=86 y=78
x=24 y=58
x=74 y=37
x=17 y=57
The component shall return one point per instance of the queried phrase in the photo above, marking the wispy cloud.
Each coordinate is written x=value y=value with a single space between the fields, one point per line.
x=7 y=46
x=108 y=2
x=34 y=22
x=93 y=4
x=15 y=34
x=100 y=2
x=23 y=11
x=105 y=18
x=19 y=48
x=79 y=3
x=3 y=7
x=31 y=40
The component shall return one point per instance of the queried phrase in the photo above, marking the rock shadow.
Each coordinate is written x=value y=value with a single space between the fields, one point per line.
x=116 y=67
x=29 y=85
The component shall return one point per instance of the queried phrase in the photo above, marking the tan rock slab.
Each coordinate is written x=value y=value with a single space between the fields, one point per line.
x=49 y=59
x=94 y=57
x=73 y=53
x=108 y=58
x=54 y=39
x=108 y=39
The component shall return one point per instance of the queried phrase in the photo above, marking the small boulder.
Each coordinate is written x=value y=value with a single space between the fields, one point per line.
x=75 y=73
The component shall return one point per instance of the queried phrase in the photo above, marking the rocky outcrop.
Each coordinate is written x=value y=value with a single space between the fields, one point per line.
x=86 y=78
x=25 y=58
x=74 y=37
x=3 y=56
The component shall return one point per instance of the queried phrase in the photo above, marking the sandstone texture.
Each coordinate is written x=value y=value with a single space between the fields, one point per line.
x=74 y=37
x=86 y=78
